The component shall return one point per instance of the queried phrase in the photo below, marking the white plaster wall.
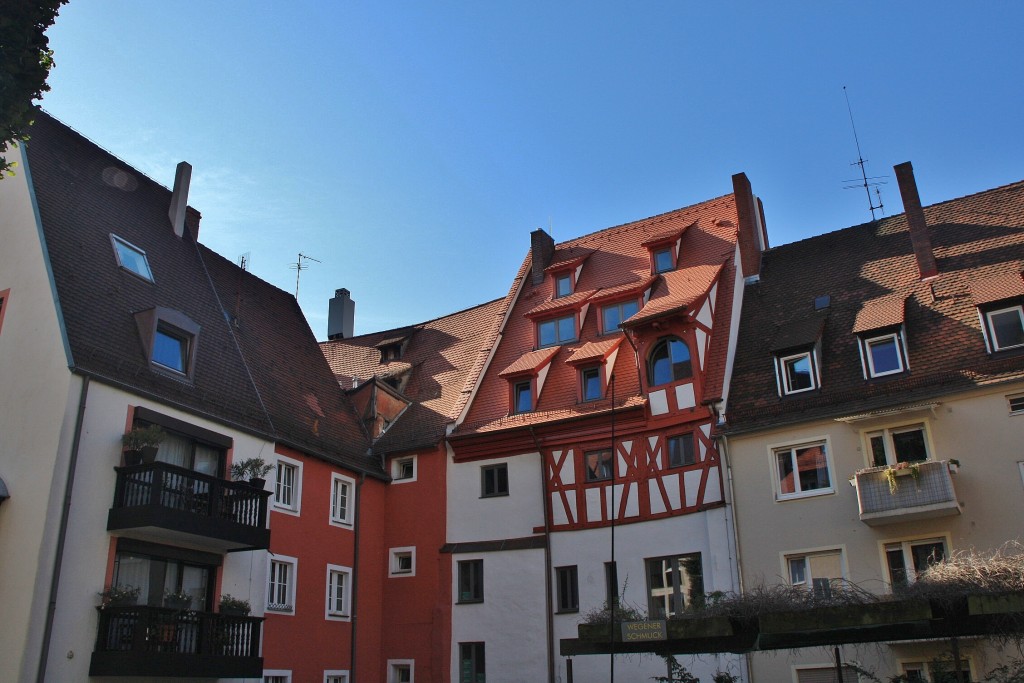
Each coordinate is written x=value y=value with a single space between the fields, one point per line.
x=510 y=620
x=472 y=518
x=88 y=544
x=37 y=390
x=975 y=428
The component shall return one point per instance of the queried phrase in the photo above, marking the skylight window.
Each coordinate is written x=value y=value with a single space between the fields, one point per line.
x=131 y=258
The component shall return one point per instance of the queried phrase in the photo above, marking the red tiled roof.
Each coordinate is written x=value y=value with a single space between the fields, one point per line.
x=664 y=237
x=611 y=293
x=619 y=264
x=530 y=362
x=978 y=242
x=594 y=350
x=563 y=303
x=1005 y=286
x=885 y=311
x=564 y=259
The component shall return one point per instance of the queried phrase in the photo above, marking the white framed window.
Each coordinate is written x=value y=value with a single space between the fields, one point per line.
x=282 y=573
x=401 y=671
x=277 y=676
x=131 y=258
x=797 y=372
x=336 y=676
x=1005 y=327
x=802 y=470
x=402 y=562
x=339 y=593
x=905 y=560
x=343 y=491
x=288 y=485
x=820 y=571
x=403 y=470
x=883 y=355
x=893 y=445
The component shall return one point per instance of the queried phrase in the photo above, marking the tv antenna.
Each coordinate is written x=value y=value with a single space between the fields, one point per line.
x=299 y=266
x=875 y=181
x=243 y=260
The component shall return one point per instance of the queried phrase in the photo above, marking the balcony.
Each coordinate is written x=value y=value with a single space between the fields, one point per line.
x=929 y=493
x=170 y=504
x=136 y=640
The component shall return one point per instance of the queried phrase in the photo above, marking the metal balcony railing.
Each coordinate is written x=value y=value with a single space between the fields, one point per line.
x=919 y=491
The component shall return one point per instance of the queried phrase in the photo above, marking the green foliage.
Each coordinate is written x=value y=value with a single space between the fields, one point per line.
x=677 y=673
x=250 y=468
x=140 y=437
x=25 y=62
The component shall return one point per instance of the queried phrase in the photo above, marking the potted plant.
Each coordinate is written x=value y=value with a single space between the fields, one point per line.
x=177 y=599
x=230 y=605
x=140 y=444
x=252 y=469
x=114 y=596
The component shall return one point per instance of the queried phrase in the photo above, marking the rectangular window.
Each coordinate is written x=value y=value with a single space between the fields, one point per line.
x=522 y=397
x=403 y=469
x=400 y=671
x=907 y=559
x=339 y=592
x=403 y=561
x=568 y=591
x=471 y=581
x=598 y=465
x=898 y=444
x=823 y=674
x=797 y=373
x=131 y=258
x=556 y=331
x=281 y=586
x=342 y=489
x=613 y=315
x=1016 y=404
x=802 y=470
x=494 y=480
x=563 y=285
x=471 y=663
x=336 y=677
x=590 y=384
x=663 y=260
x=819 y=572
x=277 y=677
x=1007 y=327
x=673 y=584
x=171 y=348
x=155 y=572
x=938 y=671
x=287 y=487
x=884 y=355
x=680 y=450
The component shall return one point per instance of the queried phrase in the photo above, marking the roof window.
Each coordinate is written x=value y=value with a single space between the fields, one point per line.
x=131 y=258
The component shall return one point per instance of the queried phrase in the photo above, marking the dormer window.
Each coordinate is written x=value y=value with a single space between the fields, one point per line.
x=1005 y=327
x=884 y=355
x=131 y=258
x=613 y=315
x=999 y=300
x=669 y=362
x=796 y=348
x=390 y=353
x=664 y=259
x=522 y=397
x=171 y=348
x=879 y=330
x=590 y=384
x=526 y=377
x=556 y=331
x=797 y=372
x=563 y=284
x=664 y=250
x=169 y=339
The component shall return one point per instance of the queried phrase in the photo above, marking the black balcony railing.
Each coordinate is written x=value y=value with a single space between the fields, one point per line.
x=137 y=640
x=229 y=515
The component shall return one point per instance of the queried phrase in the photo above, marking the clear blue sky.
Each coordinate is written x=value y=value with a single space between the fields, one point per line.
x=411 y=147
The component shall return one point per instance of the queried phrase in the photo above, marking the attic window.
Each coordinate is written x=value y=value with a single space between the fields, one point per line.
x=563 y=284
x=883 y=355
x=664 y=259
x=171 y=348
x=797 y=373
x=390 y=352
x=1005 y=327
x=169 y=339
x=131 y=258
x=556 y=331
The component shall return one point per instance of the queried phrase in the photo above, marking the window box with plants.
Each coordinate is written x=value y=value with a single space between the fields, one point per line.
x=120 y=596
x=177 y=600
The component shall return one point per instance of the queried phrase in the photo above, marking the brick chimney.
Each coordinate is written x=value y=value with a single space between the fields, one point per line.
x=750 y=234
x=919 y=238
x=179 y=198
x=542 y=249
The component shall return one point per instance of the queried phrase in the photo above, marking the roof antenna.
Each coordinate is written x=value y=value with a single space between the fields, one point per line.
x=875 y=180
x=298 y=267
x=243 y=261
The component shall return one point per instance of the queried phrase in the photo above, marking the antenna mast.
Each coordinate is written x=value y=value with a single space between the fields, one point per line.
x=876 y=180
x=298 y=267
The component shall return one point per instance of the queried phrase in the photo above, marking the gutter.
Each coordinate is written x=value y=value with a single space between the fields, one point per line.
x=62 y=533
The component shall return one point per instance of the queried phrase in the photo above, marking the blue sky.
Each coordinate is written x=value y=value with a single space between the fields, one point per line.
x=411 y=147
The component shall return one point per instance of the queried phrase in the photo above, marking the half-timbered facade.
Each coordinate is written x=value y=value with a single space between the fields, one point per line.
x=583 y=470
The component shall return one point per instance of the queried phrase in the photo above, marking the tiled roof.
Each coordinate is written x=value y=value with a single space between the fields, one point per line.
x=977 y=239
x=636 y=287
x=531 y=361
x=567 y=258
x=562 y=303
x=594 y=350
x=993 y=289
x=666 y=236
x=259 y=376
x=443 y=356
x=803 y=331
x=621 y=263
x=885 y=311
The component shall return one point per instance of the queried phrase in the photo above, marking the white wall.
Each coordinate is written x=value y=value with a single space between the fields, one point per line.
x=472 y=518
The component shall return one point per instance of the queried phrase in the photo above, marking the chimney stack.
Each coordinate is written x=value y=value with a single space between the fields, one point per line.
x=750 y=234
x=919 y=237
x=542 y=249
x=179 y=197
x=341 y=314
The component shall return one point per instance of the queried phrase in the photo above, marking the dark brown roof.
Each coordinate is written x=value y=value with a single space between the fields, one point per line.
x=264 y=380
x=976 y=239
x=443 y=355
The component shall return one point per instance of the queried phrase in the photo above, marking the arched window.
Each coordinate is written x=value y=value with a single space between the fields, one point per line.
x=669 y=362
